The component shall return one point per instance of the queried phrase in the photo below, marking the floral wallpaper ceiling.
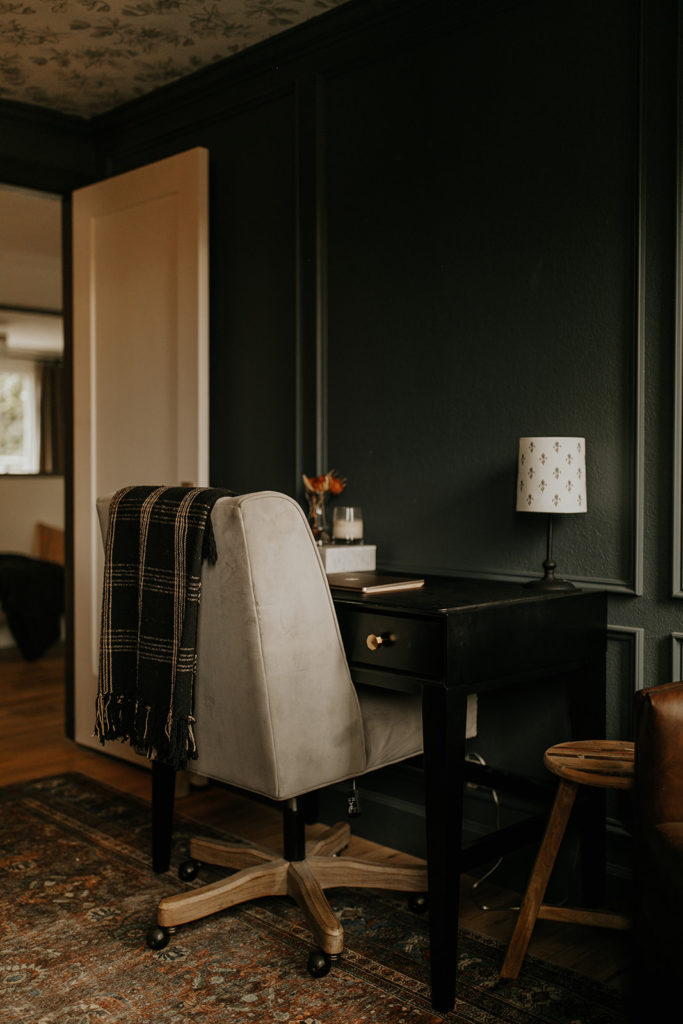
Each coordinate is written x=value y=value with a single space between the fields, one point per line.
x=84 y=57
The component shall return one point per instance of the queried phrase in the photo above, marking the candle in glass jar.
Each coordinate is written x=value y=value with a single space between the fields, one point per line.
x=347 y=525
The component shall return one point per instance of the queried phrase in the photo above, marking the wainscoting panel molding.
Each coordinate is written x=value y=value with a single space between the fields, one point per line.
x=677 y=544
x=625 y=676
x=676 y=657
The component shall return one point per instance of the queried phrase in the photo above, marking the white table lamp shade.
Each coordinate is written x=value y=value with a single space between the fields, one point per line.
x=551 y=474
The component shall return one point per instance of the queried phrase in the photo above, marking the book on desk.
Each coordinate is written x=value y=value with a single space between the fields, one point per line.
x=372 y=582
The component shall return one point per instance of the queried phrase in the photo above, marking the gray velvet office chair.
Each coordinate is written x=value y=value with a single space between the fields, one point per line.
x=277 y=714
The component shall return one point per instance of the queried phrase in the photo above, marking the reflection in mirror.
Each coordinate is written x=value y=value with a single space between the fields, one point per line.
x=31 y=335
x=32 y=515
x=31 y=392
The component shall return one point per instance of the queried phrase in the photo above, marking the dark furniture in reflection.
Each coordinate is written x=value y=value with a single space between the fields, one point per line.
x=32 y=599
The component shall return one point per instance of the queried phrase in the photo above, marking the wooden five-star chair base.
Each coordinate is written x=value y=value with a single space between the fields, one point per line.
x=604 y=763
x=262 y=874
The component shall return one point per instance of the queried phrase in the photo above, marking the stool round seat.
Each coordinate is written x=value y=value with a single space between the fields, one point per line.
x=607 y=764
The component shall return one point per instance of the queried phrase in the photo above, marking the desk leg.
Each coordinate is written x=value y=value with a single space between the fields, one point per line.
x=444 y=715
x=586 y=700
x=163 y=795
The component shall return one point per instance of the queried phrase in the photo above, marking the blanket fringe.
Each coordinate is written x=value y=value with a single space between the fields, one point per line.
x=209 y=550
x=122 y=718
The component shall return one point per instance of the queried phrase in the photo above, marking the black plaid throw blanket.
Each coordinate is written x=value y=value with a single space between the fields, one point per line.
x=156 y=542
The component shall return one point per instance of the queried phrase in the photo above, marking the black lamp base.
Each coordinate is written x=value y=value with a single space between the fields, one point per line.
x=549 y=581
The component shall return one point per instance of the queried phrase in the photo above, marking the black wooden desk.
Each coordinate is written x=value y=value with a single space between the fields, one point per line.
x=457 y=637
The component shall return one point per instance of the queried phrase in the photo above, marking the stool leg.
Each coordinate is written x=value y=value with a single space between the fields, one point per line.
x=540 y=876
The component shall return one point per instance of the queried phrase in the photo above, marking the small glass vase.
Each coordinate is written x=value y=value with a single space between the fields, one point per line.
x=317 y=516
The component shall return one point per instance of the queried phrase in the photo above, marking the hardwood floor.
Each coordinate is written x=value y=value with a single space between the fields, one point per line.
x=33 y=745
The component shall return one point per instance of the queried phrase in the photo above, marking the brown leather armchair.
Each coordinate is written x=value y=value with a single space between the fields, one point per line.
x=658 y=839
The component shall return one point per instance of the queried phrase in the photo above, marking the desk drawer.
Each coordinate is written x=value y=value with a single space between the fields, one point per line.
x=405 y=644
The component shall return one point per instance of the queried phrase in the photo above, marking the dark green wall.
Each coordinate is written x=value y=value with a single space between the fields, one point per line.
x=43 y=150
x=437 y=227
x=480 y=226
x=434 y=231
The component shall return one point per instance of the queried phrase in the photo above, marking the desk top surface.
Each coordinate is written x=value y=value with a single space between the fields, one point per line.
x=450 y=595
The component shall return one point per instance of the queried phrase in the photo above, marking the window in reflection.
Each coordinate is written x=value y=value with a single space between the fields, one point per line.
x=31 y=393
x=18 y=418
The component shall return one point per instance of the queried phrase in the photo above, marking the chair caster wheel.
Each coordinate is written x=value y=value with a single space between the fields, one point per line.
x=157 y=937
x=319 y=963
x=187 y=871
x=418 y=902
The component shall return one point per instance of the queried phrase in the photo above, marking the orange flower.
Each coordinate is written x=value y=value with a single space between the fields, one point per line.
x=336 y=483
x=330 y=481
x=316 y=484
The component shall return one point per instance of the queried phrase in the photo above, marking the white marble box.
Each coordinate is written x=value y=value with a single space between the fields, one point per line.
x=348 y=557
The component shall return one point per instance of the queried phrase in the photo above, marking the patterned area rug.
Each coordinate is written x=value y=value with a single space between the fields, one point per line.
x=78 y=894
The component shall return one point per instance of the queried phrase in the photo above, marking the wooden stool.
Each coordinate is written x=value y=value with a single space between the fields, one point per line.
x=604 y=763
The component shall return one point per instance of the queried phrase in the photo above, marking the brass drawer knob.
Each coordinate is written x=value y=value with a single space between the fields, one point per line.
x=374 y=641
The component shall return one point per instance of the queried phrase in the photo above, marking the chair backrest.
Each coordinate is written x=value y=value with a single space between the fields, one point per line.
x=277 y=712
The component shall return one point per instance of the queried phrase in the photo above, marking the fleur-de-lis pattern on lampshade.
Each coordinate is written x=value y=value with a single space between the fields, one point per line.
x=551 y=474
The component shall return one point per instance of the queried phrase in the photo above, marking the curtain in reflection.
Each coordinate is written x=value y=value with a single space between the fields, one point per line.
x=51 y=417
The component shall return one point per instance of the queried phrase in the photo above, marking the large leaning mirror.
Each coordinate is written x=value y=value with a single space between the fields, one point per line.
x=32 y=387
x=31 y=333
